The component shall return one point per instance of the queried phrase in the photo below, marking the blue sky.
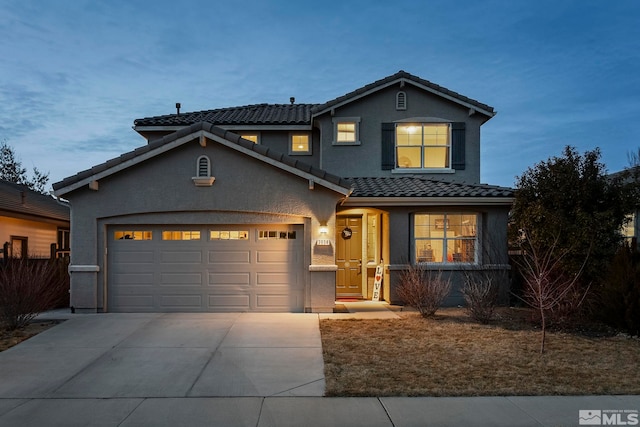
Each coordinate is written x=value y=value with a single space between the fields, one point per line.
x=75 y=74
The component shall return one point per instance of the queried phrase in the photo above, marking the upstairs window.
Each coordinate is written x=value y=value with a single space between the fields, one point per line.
x=423 y=145
x=253 y=137
x=300 y=144
x=346 y=131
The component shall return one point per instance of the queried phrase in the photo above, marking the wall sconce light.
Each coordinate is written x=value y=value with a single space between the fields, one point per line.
x=324 y=229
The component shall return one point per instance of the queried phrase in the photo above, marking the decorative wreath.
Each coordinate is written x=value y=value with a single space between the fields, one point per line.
x=346 y=233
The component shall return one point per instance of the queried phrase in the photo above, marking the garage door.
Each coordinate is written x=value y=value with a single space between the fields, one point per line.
x=205 y=268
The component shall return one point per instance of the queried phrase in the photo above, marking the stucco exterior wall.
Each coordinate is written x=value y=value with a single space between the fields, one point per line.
x=493 y=256
x=161 y=191
x=380 y=107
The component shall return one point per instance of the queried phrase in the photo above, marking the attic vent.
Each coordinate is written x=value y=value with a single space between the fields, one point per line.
x=204 y=167
x=203 y=176
x=401 y=101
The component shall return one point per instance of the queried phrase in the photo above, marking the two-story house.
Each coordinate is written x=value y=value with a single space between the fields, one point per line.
x=288 y=207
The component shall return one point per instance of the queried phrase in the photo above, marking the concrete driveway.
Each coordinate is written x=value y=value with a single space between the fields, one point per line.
x=168 y=356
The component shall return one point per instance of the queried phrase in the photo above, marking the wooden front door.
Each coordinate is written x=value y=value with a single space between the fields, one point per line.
x=349 y=256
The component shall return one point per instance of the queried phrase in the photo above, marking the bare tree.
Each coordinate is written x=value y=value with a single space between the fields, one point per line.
x=546 y=286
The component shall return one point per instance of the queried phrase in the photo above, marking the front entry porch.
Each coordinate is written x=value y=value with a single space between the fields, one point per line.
x=361 y=245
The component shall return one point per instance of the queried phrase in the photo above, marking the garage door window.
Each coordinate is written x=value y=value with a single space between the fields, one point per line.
x=181 y=235
x=274 y=234
x=228 y=235
x=132 y=235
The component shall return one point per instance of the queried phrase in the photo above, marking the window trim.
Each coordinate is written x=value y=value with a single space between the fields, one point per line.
x=300 y=153
x=445 y=261
x=338 y=120
x=422 y=123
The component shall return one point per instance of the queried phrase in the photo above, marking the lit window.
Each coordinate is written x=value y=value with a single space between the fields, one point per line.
x=445 y=237
x=346 y=131
x=132 y=235
x=276 y=235
x=253 y=137
x=629 y=228
x=181 y=235
x=228 y=235
x=300 y=144
x=423 y=145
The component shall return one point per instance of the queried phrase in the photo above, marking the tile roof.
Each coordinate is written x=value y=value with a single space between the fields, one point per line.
x=293 y=114
x=208 y=127
x=413 y=186
x=257 y=114
x=408 y=77
x=21 y=200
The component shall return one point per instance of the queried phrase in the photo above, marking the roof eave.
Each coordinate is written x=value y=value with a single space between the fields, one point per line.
x=428 y=201
x=405 y=80
x=345 y=191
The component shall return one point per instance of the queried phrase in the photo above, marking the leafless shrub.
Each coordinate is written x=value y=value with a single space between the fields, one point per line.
x=423 y=289
x=547 y=289
x=27 y=288
x=481 y=297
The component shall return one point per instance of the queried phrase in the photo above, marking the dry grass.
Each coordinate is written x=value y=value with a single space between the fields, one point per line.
x=9 y=338
x=449 y=355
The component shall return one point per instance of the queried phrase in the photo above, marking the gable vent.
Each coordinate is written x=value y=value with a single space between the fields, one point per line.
x=401 y=101
x=204 y=168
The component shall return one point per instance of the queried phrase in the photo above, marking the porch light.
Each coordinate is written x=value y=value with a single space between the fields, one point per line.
x=324 y=229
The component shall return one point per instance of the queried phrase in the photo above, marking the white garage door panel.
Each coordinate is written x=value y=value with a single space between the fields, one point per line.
x=221 y=279
x=223 y=257
x=175 y=257
x=222 y=302
x=168 y=279
x=275 y=257
x=251 y=274
x=185 y=301
x=133 y=257
x=138 y=279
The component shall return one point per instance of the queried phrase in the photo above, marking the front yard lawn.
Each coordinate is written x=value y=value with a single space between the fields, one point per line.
x=450 y=355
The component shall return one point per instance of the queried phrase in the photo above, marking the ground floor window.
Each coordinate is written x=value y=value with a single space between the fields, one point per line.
x=445 y=237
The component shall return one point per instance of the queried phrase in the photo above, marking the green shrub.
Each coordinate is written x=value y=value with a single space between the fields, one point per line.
x=620 y=293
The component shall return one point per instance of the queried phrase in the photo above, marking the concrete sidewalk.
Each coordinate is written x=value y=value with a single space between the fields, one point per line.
x=315 y=411
x=228 y=370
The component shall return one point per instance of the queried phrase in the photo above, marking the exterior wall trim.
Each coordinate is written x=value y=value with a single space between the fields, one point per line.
x=315 y=267
x=83 y=268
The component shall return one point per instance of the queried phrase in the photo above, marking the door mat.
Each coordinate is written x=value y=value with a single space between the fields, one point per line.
x=340 y=308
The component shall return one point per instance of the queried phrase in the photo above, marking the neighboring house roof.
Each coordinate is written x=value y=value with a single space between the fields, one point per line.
x=418 y=190
x=210 y=131
x=19 y=200
x=404 y=77
x=257 y=114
